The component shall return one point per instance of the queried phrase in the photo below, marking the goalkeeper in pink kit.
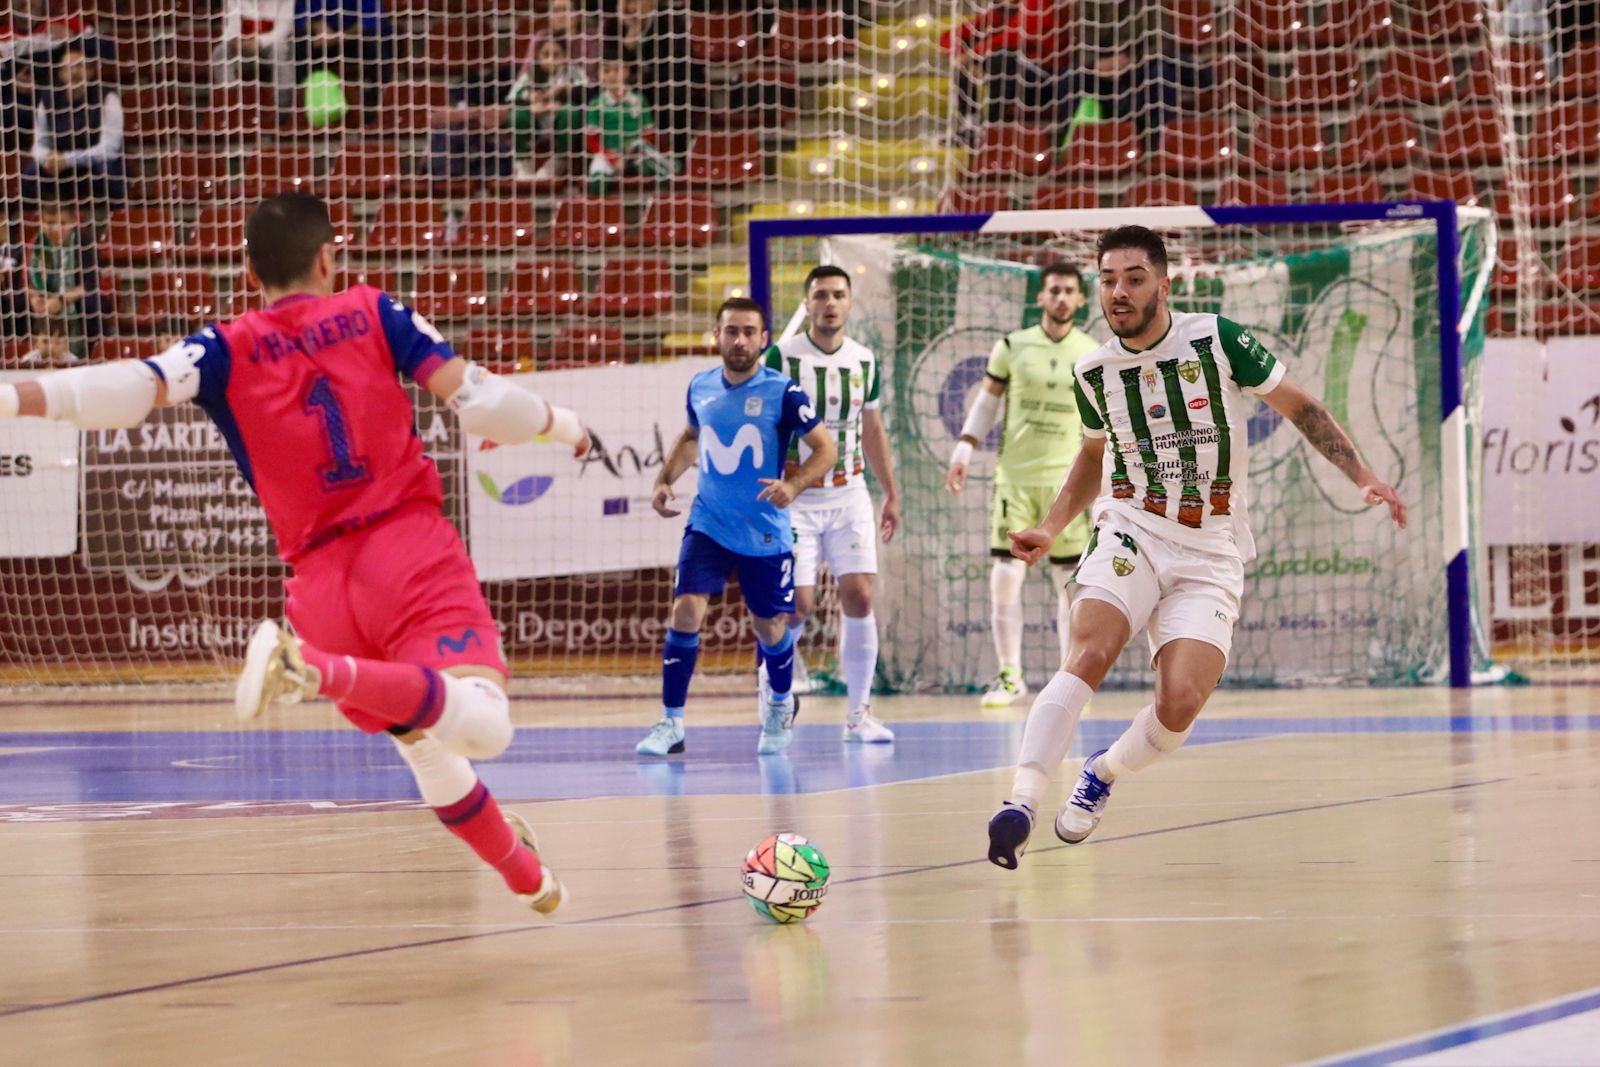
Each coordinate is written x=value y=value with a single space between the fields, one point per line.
x=389 y=618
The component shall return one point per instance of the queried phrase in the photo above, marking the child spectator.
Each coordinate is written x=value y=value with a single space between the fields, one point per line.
x=542 y=103
x=63 y=278
x=619 y=131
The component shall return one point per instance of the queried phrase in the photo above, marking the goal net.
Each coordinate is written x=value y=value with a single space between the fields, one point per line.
x=1360 y=312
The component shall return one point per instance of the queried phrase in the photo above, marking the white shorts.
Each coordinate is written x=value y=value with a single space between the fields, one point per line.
x=845 y=537
x=1172 y=590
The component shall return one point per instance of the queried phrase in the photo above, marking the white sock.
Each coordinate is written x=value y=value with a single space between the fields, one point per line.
x=1141 y=744
x=442 y=776
x=1005 y=610
x=1052 y=721
x=1061 y=574
x=476 y=721
x=858 y=659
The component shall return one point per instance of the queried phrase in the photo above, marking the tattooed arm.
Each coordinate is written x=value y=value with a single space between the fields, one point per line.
x=1324 y=433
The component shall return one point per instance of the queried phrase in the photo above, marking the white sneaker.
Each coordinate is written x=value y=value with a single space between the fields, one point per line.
x=274 y=673
x=867 y=729
x=1082 y=811
x=1007 y=687
x=551 y=894
x=664 y=739
x=777 y=726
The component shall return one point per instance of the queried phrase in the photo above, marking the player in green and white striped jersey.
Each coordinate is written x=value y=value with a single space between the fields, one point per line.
x=833 y=520
x=1030 y=372
x=1163 y=467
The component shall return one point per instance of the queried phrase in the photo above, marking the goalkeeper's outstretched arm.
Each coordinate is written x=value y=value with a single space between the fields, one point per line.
x=106 y=396
x=502 y=411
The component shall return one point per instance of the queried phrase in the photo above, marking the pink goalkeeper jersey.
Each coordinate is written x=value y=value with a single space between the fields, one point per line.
x=307 y=394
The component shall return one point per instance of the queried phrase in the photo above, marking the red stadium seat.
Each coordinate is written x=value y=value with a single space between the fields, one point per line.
x=367 y=172
x=239 y=113
x=1470 y=137
x=1460 y=186
x=178 y=301
x=269 y=171
x=549 y=287
x=359 y=274
x=1160 y=192
x=723 y=159
x=218 y=235
x=1271 y=24
x=241 y=297
x=1552 y=198
x=411 y=226
x=1352 y=23
x=1506 y=269
x=1416 y=76
x=1568 y=318
x=153 y=116
x=498 y=345
x=723 y=37
x=1195 y=147
x=1568 y=131
x=1009 y=150
x=1379 y=139
x=587 y=222
x=412 y=106
x=194 y=174
x=449 y=291
x=1580 y=265
x=1347 y=189
x=1257 y=189
x=1438 y=21
x=632 y=287
x=672 y=221
x=108 y=349
x=974 y=199
x=1525 y=69
x=1194 y=22
x=1101 y=149
x=1323 y=80
x=591 y=344
x=1050 y=196
x=500 y=225
x=460 y=45
x=138 y=235
x=809 y=35
x=1287 y=142
x=1580 y=72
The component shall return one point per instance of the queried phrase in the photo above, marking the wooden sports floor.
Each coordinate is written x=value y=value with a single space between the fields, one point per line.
x=1350 y=877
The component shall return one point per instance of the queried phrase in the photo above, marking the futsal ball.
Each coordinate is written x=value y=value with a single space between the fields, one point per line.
x=785 y=878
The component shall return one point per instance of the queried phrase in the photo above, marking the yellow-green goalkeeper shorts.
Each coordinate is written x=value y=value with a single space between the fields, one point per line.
x=1017 y=507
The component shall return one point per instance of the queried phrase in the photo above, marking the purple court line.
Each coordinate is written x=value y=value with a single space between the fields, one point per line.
x=150 y=702
x=268 y=968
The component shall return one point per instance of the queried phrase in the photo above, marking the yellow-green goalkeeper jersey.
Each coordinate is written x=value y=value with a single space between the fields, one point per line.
x=1042 y=428
x=842 y=384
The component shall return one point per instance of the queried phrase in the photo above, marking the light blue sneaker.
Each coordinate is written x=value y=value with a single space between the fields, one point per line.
x=777 y=725
x=1081 y=813
x=664 y=739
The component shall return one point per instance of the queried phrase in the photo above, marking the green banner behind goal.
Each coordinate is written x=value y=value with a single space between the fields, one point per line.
x=1336 y=595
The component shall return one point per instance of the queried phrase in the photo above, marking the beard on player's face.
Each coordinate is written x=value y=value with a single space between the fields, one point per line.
x=1143 y=315
x=739 y=357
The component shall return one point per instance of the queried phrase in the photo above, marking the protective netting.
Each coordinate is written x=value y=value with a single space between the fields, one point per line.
x=1337 y=595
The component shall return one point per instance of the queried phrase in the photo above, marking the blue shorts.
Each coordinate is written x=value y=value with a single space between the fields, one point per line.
x=767 y=581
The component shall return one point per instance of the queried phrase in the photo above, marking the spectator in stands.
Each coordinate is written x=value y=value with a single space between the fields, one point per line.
x=77 y=138
x=566 y=22
x=620 y=131
x=32 y=42
x=352 y=39
x=654 y=43
x=63 y=284
x=547 y=103
x=1018 y=52
x=14 y=312
x=257 y=44
x=1126 y=61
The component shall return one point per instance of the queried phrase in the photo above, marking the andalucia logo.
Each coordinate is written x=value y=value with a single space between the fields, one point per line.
x=1121 y=566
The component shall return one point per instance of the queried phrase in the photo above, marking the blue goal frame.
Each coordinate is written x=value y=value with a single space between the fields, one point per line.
x=1443 y=213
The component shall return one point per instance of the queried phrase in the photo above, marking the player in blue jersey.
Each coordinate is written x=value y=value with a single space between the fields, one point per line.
x=742 y=417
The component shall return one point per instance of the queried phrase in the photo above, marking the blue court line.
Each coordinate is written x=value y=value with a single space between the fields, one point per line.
x=1468 y=1033
x=267 y=968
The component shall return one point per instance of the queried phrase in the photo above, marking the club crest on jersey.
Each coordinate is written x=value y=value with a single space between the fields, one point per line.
x=1189 y=371
x=752 y=406
x=1157 y=411
x=1149 y=379
x=1121 y=566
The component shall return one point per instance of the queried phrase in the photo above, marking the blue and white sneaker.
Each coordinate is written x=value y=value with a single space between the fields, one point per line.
x=664 y=739
x=1008 y=834
x=1081 y=813
x=777 y=725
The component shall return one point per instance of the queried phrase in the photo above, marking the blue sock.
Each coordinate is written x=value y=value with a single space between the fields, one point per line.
x=677 y=667
x=780 y=664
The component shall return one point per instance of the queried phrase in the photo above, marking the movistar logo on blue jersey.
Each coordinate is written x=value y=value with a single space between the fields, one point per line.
x=727 y=458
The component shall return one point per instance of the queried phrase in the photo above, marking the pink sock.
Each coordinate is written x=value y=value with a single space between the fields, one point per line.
x=405 y=694
x=476 y=819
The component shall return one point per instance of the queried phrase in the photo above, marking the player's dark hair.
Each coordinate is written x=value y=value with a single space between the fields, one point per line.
x=827 y=270
x=283 y=236
x=1062 y=269
x=742 y=303
x=1142 y=238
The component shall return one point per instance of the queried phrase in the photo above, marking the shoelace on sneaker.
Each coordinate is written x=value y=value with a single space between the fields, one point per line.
x=1090 y=791
x=664 y=731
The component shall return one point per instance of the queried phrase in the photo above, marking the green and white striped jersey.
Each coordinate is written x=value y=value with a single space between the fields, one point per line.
x=1177 y=419
x=841 y=384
